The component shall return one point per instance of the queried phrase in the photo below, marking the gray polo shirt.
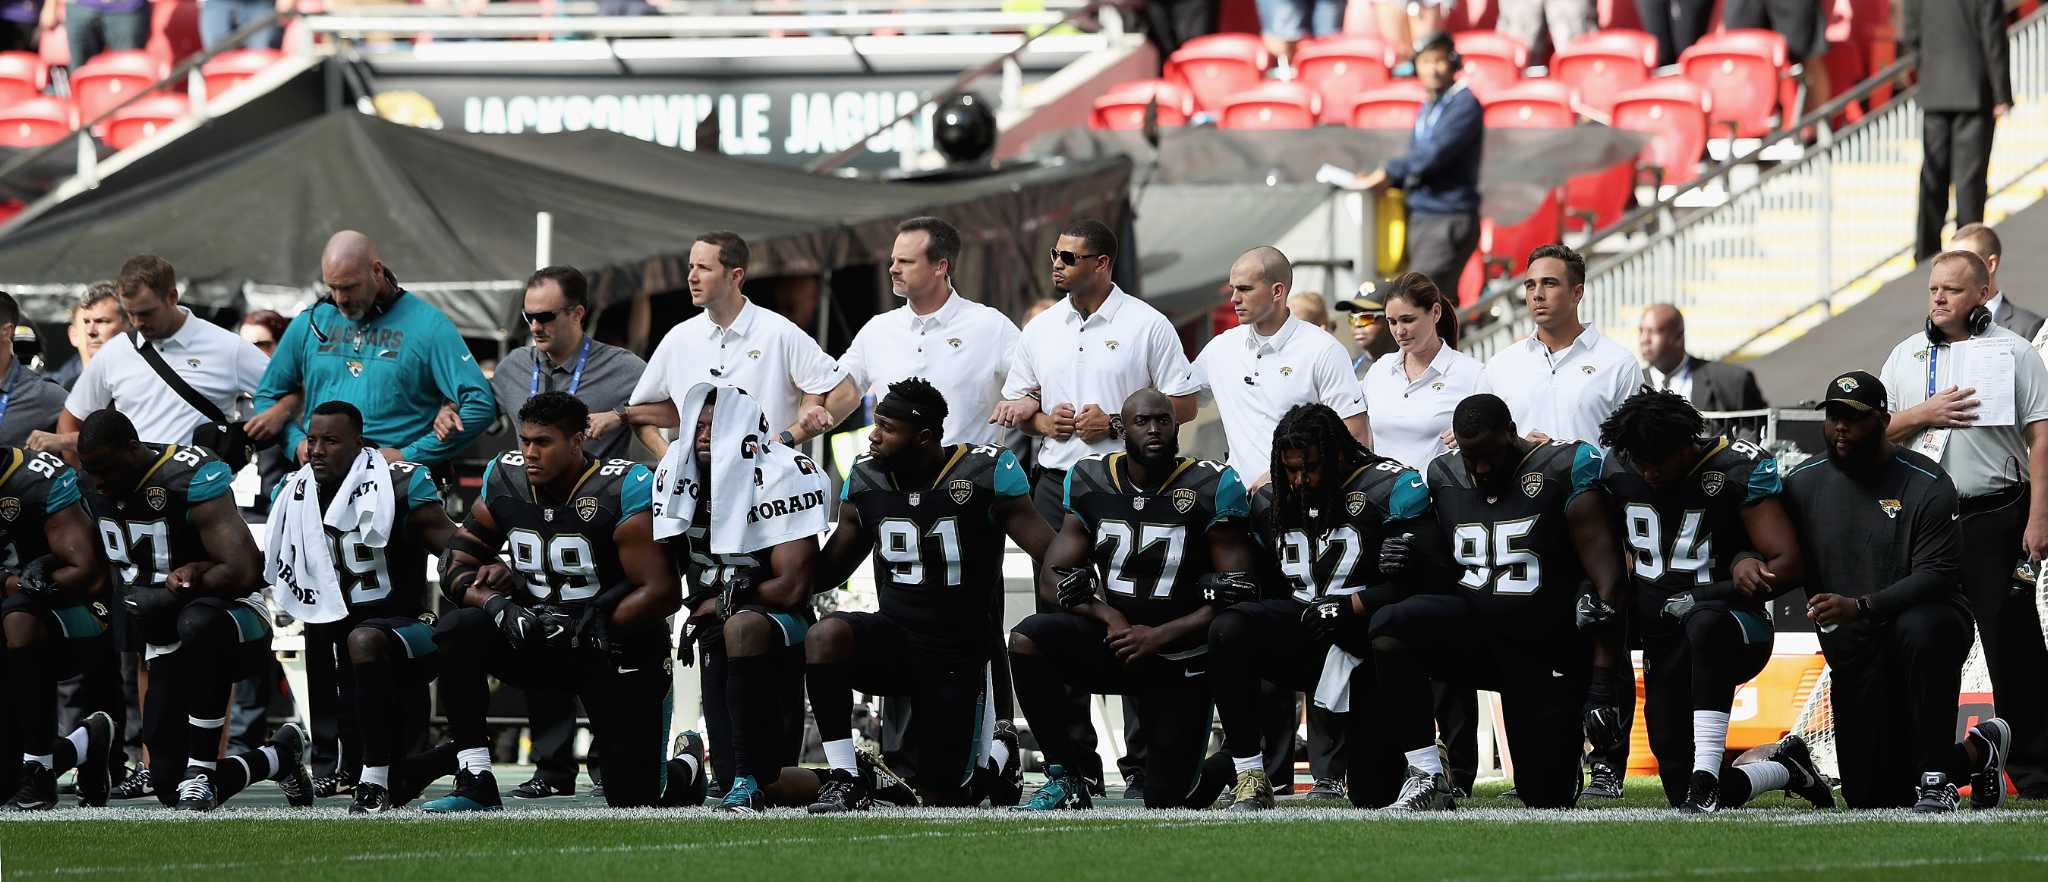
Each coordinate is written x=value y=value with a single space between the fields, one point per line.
x=1981 y=459
x=33 y=402
x=608 y=379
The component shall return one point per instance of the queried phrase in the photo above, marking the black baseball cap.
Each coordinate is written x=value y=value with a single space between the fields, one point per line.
x=1856 y=390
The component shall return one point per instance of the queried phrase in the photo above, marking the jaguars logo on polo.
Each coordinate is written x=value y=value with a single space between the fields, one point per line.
x=1532 y=484
x=961 y=491
x=586 y=508
x=1588 y=369
x=1890 y=507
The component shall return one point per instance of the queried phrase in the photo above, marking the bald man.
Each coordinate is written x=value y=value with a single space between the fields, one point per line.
x=1710 y=385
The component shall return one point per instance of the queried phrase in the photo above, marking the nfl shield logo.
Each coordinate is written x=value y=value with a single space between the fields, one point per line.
x=961 y=491
x=586 y=508
x=1137 y=504
x=547 y=514
x=1354 y=503
x=1712 y=482
x=1890 y=507
x=916 y=498
x=10 y=508
x=1183 y=500
x=157 y=498
x=1532 y=484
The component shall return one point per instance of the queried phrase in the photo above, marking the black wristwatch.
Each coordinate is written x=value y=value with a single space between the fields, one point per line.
x=1116 y=426
x=787 y=438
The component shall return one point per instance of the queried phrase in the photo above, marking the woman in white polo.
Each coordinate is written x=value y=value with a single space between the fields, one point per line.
x=1411 y=391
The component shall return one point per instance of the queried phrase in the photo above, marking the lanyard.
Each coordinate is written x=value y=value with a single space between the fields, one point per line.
x=1933 y=354
x=13 y=374
x=575 y=378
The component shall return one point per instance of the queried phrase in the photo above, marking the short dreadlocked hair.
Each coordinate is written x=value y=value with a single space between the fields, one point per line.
x=1651 y=424
x=1314 y=427
x=919 y=393
x=560 y=411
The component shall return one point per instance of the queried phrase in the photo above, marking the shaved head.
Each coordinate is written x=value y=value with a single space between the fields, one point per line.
x=1268 y=264
x=1665 y=314
x=1660 y=337
x=353 y=273
x=348 y=247
x=1259 y=281
x=1147 y=398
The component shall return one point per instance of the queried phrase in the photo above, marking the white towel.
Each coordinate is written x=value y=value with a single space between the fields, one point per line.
x=297 y=559
x=781 y=494
x=1333 y=688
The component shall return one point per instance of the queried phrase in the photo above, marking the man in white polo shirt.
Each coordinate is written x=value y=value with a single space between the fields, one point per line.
x=802 y=391
x=962 y=347
x=1564 y=380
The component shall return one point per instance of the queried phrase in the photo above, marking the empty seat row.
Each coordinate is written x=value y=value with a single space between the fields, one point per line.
x=29 y=118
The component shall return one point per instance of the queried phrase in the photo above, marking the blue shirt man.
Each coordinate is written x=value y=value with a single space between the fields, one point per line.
x=1439 y=176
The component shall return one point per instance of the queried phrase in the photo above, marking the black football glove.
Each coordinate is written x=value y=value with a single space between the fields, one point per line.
x=1077 y=586
x=1224 y=589
x=1680 y=605
x=1603 y=710
x=521 y=627
x=1324 y=617
x=1593 y=613
x=145 y=603
x=1395 y=552
x=39 y=578
x=557 y=628
x=738 y=592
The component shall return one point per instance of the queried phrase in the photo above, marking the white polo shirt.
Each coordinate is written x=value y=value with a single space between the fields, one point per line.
x=762 y=352
x=1981 y=459
x=216 y=362
x=1565 y=394
x=963 y=348
x=1409 y=417
x=1256 y=380
x=1125 y=346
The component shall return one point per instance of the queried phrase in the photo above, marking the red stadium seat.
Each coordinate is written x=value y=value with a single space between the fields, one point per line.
x=1602 y=64
x=1741 y=69
x=38 y=121
x=1392 y=106
x=143 y=118
x=1673 y=112
x=1272 y=106
x=1218 y=66
x=1596 y=199
x=229 y=69
x=1531 y=104
x=25 y=69
x=1340 y=67
x=111 y=78
x=1493 y=60
x=1507 y=246
x=1123 y=108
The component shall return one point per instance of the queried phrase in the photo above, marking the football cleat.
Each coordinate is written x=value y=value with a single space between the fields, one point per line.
x=691 y=744
x=95 y=775
x=134 y=784
x=38 y=790
x=1424 y=792
x=334 y=785
x=1807 y=782
x=1253 y=792
x=1325 y=788
x=370 y=799
x=1937 y=795
x=1061 y=791
x=1604 y=783
x=539 y=788
x=290 y=743
x=474 y=792
x=1703 y=797
x=1987 y=784
x=195 y=794
x=884 y=785
x=1008 y=787
x=745 y=798
x=842 y=791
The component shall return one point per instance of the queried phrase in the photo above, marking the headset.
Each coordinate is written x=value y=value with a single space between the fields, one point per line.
x=376 y=308
x=1442 y=40
x=1978 y=322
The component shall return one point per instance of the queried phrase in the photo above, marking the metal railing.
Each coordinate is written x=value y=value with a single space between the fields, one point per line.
x=1802 y=232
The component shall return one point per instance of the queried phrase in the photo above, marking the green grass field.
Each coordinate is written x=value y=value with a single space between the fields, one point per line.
x=566 y=840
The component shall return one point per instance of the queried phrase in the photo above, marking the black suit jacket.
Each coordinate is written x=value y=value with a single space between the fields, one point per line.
x=1962 y=53
x=1718 y=386
x=2018 y=319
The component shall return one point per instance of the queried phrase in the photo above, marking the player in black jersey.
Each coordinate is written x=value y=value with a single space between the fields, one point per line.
x=1522 y=531
x=54 y=615
x=187 y=572
x=582 y=604
x=1708 y=539
x=385 y=638
x=1148 y=533
x=1319 y=525
x=935 y=516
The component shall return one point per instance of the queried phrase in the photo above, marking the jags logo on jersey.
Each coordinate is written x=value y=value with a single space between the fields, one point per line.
x=1354 y=503
x=10 y=508
x=1532 y=484
x=1712 y=482
x=586 y=508
x=1183 y=500
x=961 y=491
x=157 y=498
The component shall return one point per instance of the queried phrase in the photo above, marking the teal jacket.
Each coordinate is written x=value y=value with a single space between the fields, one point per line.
x=397 y=368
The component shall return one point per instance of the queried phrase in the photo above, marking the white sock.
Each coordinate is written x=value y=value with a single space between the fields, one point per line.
x=840 y=754
x=270 y=755
x=207 y=724
x=79 y=742
x=243 y=763
x=1426 y=759
x=1251 y=763
x=474 y=760
x=378 y=775
x=690 y=762
x=208 y=765
x=1765 y=777
x=1709 y=740
x=999 y=755
x=47 y=761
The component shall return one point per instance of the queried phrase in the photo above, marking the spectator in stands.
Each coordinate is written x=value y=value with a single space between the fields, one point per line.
x=219 y=18
x=1169 y=23
x=20 y=25
x=29 y=402
x=1368 y=330
x=1709 y=385
x=1440 y=173
x=1407 y=23
x=1310 y=307
x=1980 y=240
x=1545 y=25
x=96 y=319
x=94 y=26
x=1803 y=24
x=1962 y=93
x=1677 y=24
x=1283 y=24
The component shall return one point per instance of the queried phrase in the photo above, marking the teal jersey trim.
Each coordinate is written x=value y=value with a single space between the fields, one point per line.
x=1410 y=498
x=209 y=483
x=1232 y=503
x=1009 y=479
x=1764 y=482
x=63 y=492
x=636 y=492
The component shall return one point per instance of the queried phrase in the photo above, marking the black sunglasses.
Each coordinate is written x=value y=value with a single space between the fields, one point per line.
x=1069 y=258
x=542 y=318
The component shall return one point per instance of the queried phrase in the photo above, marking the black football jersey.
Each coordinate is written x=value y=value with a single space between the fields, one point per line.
x=1687 y=536
x=1516 y=549
x=706 y=572
x=147 y=529
x=1149 y=546
x=938 y=548
x=1344 y=556
x=390 y=581
x=33 y=486
x=565 y=549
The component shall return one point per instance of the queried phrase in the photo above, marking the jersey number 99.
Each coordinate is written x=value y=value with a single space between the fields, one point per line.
x=566 y=557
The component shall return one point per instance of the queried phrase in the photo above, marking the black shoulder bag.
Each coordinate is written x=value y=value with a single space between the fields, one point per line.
x=219 y=434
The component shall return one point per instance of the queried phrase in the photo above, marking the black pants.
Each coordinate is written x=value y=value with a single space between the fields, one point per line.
x=1457 y=723
x=1955 y=150
x=1169 y=23
x=1539 y=672
x=67 y=642
x=1677 y=24
x=218 y=644
x=764 y=695
x=1069 y=657
x=1439 y=245
x=1047 y=491
x=2011 y=629
x=1695 y=666
x=623 y=692
x=1623 y=686
x=1894 y=698
x=329 y=715
x=950 y=694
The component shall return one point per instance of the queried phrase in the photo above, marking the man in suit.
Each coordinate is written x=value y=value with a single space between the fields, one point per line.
x=1710 y=385
x=1965 y=85
x=1980 y=240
